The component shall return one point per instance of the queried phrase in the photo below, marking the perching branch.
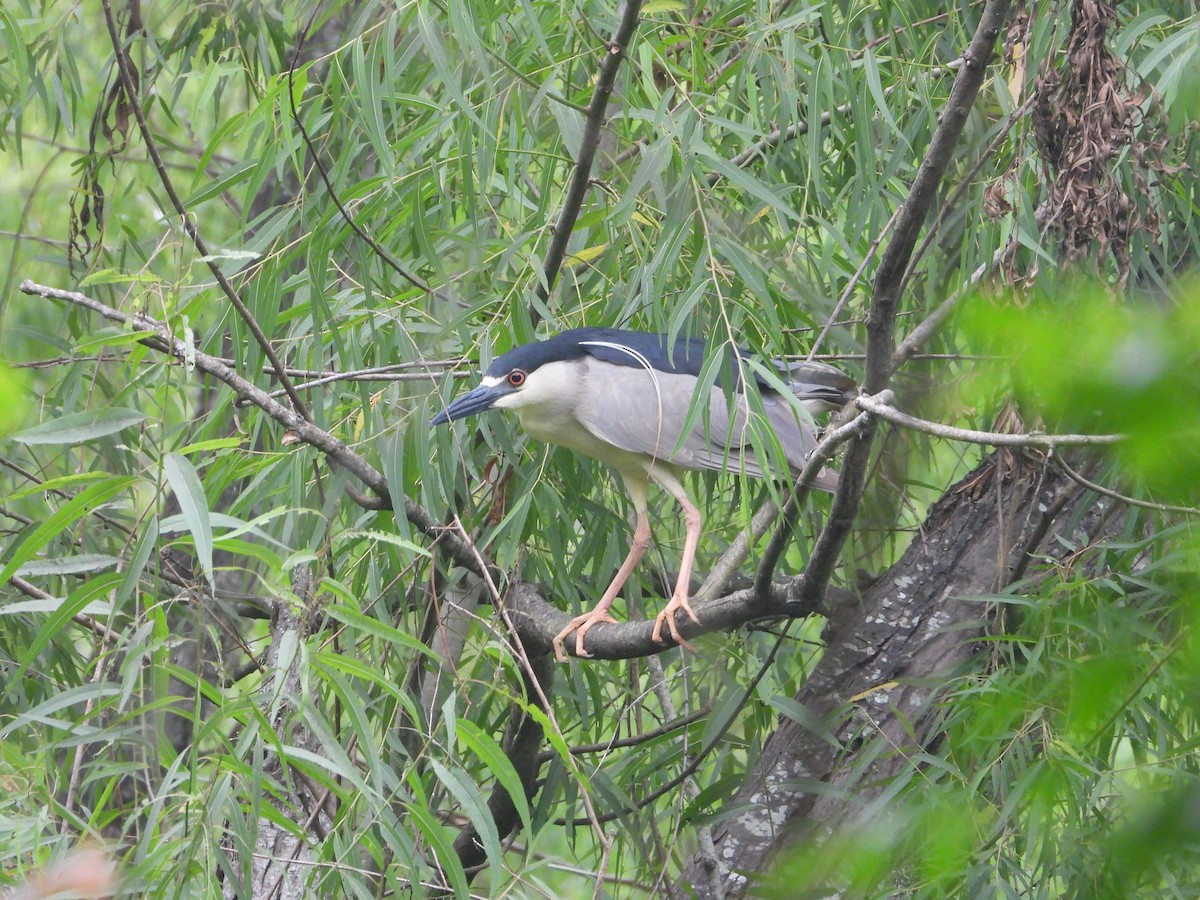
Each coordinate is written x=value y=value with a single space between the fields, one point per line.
x=163 y=341
x=971 y=436
x=538 y=621
x=588 y=142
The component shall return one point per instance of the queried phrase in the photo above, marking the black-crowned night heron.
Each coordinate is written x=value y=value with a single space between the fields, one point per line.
x=624 y=398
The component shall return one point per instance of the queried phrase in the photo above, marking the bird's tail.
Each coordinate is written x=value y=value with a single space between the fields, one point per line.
x=820 y=387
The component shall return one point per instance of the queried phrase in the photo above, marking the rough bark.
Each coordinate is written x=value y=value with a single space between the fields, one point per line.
x=280 y=864
x=522 y=740
x=885 y=655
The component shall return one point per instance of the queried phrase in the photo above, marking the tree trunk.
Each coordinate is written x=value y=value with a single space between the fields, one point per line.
x=916 y=625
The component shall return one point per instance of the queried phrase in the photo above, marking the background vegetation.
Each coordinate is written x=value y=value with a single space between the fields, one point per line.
x=231 y=662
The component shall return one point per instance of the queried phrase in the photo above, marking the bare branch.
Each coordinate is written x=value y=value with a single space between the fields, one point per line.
x=163 y=341
x=588 y=142
x=799 y=129
x=964 y=185
x=125 y=69
x=970 y=436
x=382 y=253
x=97 y=628
x=787 y=521
x=881 y=320
x=635 y=739
x=1122 y=498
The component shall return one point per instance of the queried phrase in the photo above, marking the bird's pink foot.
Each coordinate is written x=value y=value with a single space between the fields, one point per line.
x=580 y=625
x=678 y=601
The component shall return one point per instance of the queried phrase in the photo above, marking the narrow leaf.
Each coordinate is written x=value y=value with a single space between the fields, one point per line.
x=185 y=482
x=84 y=502
x=68 y=565
x=79 y=427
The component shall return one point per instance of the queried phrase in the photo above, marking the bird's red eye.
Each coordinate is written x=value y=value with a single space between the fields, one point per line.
x=516 y=378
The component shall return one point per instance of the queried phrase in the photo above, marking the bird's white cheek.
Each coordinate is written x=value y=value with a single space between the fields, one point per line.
x=510 y=401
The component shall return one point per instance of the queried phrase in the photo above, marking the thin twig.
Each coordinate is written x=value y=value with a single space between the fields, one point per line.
x=988 y=438
x=412 y=279
x=965 y=185
x=799 y=129
x=1123 y=498
x=694 y=764
x=787 y=519
x=97 y=628
x=304 y=430
x=907 y=348
x=633 y=740
x=690 y=790
x=852 y=285
x=125 y=70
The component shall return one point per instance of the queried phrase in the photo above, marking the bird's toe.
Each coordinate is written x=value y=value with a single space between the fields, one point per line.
x=580 y=625
x=667 y=616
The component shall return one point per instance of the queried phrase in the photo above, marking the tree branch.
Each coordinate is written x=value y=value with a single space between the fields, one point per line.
x=382 y=253
x=97 y=628
x=791 y=510
x=885 y=650
x=125 y=70
x=589 y=141
x=881 y=319
x=163 y=341
x=1122 y=498
x=970 y=436
x=538 y=621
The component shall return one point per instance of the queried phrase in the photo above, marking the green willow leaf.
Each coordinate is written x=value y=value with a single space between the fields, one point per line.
x=185 y=482
x=79 y=427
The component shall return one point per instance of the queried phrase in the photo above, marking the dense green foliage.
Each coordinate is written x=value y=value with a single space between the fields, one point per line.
x=753 y=157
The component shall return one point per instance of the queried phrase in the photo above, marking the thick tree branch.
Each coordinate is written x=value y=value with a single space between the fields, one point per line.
x=588 y=142
x=538 y=621
x=163 y=341
x=914 y=627
x=881 y=318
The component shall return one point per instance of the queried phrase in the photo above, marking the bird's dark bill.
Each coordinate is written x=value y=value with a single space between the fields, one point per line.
x=474 y=401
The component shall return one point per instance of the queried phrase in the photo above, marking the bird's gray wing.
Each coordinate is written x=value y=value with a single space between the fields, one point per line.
x=797 y=437
x=639 y=410
x=645 y=411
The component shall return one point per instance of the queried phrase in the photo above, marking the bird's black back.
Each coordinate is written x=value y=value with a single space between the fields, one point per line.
x=684 y=356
